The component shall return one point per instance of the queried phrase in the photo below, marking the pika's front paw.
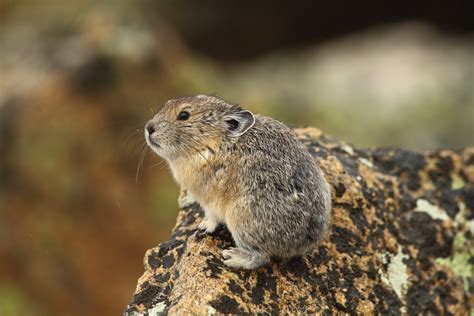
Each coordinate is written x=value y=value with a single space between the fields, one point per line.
x=208 y=224
x=242 y=259
x=185 y=199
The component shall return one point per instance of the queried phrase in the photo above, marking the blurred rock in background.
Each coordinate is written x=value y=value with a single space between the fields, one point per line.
x=79 y=80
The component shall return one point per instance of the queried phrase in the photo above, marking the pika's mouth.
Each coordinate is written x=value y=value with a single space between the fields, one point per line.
x=151 y=142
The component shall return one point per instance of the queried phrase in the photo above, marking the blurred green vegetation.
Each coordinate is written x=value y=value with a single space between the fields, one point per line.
x=14 y=302
x=80 y=80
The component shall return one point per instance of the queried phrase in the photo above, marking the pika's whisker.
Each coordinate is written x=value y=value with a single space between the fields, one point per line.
x=160 y=164
x=141 y=159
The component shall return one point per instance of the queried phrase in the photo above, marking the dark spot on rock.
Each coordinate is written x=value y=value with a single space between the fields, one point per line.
x=325 y=139
x=420 y=300
x=167 y=246
x=257 y=294
x=352 y=297
x=439 y=179
x=340 y=189
x=413 y=182
x=445 y=164
x=181 y=232
x=275 y=309
x=409 y=161
x=347 y=280
x=471 y=286
x=168 y=261
x=316 y=151
x=200 y=235
x=468 y=197
x=470 y=160
x=154 y=261
x=421 y=230
x=406 y=202
x=444 y=293
x=382 y=157
x=441 y=276
x=350 y=165
x=226 y=305
x=333 y=277
x=180 y=250
x=295 y=266
x=148 y=295
x=234 y=288
x=190 y=217
x=448 y=202
x=213 y=264
x=265 y=282
x=356 y=270
x=358 y=217
x=372 y=298
x=390 y=298
x=322 y=256
x=302 y=303
x=224 y=237
x=162 y=278
x=345 y=240
x=402 y=163
x=372 y=272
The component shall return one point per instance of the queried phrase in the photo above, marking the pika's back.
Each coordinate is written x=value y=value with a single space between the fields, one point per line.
x=271 y=138
x=284 y=190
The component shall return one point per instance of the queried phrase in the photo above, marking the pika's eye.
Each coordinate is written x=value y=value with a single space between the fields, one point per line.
x=183 y=116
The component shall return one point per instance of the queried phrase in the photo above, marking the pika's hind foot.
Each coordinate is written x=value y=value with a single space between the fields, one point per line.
x=208 y=224
x=243 y=259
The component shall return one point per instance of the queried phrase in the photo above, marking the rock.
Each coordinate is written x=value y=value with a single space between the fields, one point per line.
x=401 y=242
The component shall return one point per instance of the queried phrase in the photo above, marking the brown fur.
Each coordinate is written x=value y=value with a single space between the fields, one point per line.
x=247 y=172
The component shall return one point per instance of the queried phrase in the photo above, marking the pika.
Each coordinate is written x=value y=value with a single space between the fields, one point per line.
x=246 y=171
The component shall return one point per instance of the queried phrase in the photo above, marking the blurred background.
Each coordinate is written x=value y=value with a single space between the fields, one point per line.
x=79 y=79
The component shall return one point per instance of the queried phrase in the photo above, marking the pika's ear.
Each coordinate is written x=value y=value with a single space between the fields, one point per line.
x=239 y=123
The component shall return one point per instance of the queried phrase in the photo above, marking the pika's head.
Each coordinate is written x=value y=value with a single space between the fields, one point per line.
x=190 y=125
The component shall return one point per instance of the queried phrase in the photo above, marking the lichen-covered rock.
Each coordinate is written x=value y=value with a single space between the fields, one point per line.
x=401 y=242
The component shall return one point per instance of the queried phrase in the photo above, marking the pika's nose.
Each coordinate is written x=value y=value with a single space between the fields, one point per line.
x=150 y=127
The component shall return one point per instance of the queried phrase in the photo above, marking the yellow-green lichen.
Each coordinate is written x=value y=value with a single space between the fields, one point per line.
x=456 y=181
x=157 y=310
x=397 y=274
x=211 y=310
x=462 y=220
x=463 y=250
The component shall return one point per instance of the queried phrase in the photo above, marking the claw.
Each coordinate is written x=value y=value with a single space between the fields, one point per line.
x=241 y=259
x=208 y=224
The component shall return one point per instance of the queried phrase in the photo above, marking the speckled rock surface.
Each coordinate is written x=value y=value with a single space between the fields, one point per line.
x=401 y=242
